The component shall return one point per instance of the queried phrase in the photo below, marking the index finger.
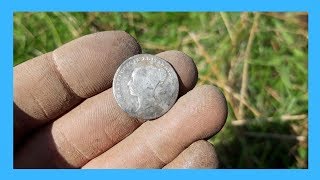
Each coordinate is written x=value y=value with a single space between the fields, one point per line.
x=48 y=86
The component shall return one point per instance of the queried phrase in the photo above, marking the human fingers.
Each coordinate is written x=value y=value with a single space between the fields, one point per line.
x=48 y=86
x=199 y=114
x=199 y=154
x=92 y=127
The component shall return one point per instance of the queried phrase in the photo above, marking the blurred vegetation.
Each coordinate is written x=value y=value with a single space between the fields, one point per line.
x=259 y=60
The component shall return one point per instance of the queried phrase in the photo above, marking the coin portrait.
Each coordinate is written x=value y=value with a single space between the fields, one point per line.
x=145 y=86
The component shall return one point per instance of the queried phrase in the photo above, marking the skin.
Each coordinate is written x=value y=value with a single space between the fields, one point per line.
x=65 y=115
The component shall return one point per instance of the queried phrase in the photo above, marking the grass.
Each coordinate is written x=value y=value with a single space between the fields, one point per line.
x=258 y=60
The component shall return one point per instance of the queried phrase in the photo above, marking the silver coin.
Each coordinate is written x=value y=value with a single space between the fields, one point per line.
x=145 y=86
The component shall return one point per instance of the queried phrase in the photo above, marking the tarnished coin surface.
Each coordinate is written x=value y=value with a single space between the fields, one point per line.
x=145 y=86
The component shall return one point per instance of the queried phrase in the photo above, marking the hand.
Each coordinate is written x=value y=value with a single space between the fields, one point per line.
x=65 y=115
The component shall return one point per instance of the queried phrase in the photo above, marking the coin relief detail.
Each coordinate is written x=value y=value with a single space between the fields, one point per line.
x=145 y=86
